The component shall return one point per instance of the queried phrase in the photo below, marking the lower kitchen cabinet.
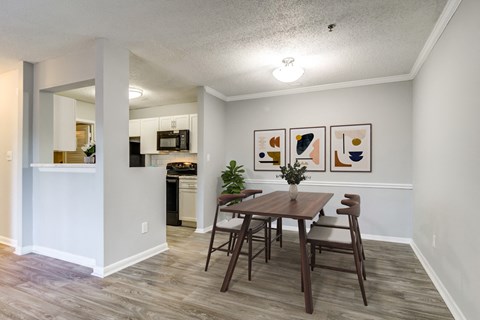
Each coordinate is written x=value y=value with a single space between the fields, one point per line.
x=188 y=202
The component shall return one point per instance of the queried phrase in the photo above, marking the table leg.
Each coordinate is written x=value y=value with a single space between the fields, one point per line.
x=307 y=285
x=236 y=252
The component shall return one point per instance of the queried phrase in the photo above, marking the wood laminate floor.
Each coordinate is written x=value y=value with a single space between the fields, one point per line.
x=174 y=285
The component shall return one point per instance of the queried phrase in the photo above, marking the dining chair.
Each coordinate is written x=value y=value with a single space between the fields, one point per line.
x=341 y=222
x=232 y=227
x=268 y=220
x=340 y=241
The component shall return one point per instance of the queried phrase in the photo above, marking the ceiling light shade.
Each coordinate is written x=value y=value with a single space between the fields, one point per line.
x=134 y=93
x=289 y=72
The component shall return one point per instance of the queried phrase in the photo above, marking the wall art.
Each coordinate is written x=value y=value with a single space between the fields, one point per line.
x=351 y=148
x=307 y=145
x=269 y=149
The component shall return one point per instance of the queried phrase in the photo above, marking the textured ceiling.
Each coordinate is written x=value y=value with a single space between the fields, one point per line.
x=231 y=46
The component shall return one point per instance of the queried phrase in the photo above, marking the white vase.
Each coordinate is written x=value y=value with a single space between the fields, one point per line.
x=90 y=159
x=293 y=191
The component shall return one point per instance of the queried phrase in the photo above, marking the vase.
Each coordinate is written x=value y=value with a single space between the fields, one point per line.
x=89 y=160
x=293 y=191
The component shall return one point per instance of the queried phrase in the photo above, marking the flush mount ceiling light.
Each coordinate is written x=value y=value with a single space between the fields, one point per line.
x=134 y=93
x=289 y=72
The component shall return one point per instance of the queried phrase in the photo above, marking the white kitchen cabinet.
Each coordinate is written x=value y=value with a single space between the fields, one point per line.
x=134 y=128
x=193 y=133
x=181 y=122
x=64 y=124
x=148 y=136
x=187 y=200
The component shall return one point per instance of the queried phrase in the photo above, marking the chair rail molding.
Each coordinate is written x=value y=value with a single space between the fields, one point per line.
x=375 y=185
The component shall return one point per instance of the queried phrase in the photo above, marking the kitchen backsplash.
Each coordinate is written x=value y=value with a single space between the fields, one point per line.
x=161 y=160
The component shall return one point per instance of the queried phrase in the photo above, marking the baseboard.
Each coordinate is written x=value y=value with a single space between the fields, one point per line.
x=103 y=272
x=449 y=301
x=386 y=238
x=65 y=256
x=8 y=242
x=204 y=230
x=20 y=251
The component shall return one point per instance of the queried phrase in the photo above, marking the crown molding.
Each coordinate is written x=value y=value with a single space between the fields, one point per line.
x=215 y=93
x=442 y=22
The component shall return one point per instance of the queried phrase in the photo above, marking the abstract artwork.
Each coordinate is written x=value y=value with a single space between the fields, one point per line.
x=307 y=145
x=351 y=148
x=269 y=149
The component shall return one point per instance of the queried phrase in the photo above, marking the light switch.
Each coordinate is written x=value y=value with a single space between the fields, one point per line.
x=9 y=155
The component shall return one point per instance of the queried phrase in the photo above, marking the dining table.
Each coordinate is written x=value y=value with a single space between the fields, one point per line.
x=278 y=204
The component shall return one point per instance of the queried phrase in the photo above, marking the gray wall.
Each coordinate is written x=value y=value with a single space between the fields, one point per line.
x=446 y=154
x=386 y=191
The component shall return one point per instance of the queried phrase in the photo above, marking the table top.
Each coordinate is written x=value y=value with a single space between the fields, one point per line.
x=278 y=204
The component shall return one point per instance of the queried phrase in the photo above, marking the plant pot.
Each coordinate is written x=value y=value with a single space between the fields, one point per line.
x=89 y=160
x=293 y=191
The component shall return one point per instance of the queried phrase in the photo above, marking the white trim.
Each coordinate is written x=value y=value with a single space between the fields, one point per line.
x=20 y=251
x=8 y=242
x=375 y=185
x=447 y=14
x=122 y=264
x=65 y=167
x=204 y=230
x=215 y=93
x=65 y=256
x=449 y=301
x=386 y=238
x=322 y=87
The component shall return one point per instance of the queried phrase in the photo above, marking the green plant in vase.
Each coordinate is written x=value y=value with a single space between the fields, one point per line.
x=293 y=175
x=89 y=150
x=232 y=177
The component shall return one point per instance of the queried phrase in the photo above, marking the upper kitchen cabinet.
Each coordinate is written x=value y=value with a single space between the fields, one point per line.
x=181 y=122
x=64 y=124
x=193 y=133
x=134 y=128
x=148 y=135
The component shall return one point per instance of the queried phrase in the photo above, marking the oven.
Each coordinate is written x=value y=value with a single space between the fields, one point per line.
x=176 y=170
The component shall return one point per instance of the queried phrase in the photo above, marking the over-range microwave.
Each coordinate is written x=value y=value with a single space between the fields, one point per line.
x=177 y=140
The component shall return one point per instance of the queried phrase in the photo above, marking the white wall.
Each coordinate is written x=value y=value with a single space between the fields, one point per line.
x=85 y=111
x=386 y=191
x=8 y=136
x=446 y=154
x=211 y=155
x=164 y=111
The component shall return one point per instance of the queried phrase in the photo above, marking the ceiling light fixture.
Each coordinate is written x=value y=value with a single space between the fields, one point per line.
x=289 y=72
x=134 y=93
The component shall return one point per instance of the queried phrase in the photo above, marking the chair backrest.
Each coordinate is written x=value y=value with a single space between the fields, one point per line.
x=225 y=199
x=354 y=197
x=251 y=192
x=353 y=208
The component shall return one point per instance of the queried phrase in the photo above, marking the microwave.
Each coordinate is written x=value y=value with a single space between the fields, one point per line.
x=177 y=140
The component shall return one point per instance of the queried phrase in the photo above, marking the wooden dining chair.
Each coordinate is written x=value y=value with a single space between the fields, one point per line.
x=268 y=220
x=341 y=222
x=232 y=227
x=341 y=241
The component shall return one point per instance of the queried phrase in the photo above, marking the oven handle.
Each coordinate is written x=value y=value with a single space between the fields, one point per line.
x=172 y=180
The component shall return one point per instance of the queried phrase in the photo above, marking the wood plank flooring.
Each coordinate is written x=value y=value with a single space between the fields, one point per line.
x=173 y=285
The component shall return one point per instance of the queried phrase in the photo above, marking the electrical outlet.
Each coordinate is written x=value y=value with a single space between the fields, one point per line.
x=144 y=227
x=434 y=241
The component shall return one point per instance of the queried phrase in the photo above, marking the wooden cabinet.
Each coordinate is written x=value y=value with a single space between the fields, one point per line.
x=134 y=128
x=193 y=133
x=148 y=136
x=64 y=124
x=187 y=200
x=181 y=122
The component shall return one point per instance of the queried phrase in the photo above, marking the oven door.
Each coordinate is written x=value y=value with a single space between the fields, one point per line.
x=172 y=202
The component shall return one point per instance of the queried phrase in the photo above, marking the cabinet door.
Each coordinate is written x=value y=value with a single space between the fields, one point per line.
x=193 y=133
x=188 y=205
x=148 y=136
x=166 y=123
x=134 y=128
x=64 y=124
x=181 y=122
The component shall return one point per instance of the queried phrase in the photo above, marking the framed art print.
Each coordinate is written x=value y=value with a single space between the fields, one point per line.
x=307 y=146
x=269 y=149
x=351 y=148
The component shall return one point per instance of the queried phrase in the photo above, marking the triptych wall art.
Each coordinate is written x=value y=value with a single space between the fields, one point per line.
x=350 y=148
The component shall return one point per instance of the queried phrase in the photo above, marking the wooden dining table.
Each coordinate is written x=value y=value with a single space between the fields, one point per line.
x=278 y=204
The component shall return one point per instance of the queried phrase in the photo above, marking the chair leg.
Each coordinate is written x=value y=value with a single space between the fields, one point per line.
x=280 y=232
x=360 y=240
x=210 y=248
x=358 y=267
x=267 y=243
x=230 y=238
x=249 y=255
x=312 y=256
x=269 y=238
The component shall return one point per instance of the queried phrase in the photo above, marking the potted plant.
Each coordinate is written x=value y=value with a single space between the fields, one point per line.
x=233 y=180
x=293 y=175
x=89 y=150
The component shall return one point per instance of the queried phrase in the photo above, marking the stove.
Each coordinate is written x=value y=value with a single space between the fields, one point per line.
x=181 y=169
x=176 y=170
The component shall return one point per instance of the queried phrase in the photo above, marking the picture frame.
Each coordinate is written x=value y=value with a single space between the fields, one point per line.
x=269 y=149
x=308 y=146
x=351 y=148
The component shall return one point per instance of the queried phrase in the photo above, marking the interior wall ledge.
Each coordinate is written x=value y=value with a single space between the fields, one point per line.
x=375 y=185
